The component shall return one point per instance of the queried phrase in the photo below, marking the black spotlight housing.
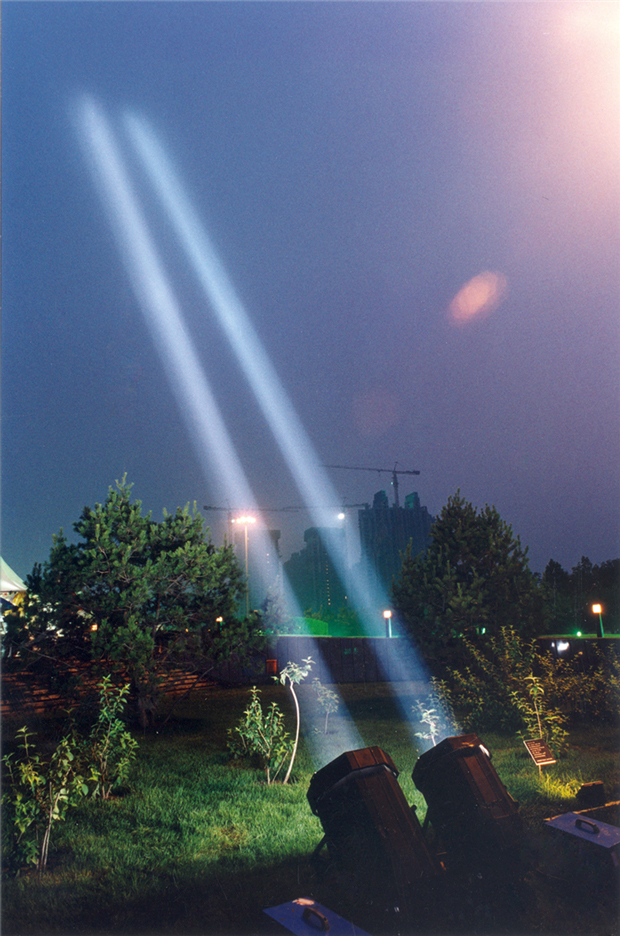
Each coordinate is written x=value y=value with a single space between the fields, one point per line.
x=371 y=831
x=590 y=795
x=470 y=809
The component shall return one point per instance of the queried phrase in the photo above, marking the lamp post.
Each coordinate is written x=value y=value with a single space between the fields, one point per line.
x=597 y=609
x=388 y=622
x=245 y=521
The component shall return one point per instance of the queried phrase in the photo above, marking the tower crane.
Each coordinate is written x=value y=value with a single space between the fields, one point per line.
x=391 y=471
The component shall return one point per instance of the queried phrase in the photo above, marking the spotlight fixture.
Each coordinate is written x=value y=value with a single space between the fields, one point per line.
x=371 y=832
x=470 y=809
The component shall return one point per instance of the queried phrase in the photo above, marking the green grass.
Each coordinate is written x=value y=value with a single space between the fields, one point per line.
x=197 y=844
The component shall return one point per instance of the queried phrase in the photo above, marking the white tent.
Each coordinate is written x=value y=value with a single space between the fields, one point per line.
x=10 y=582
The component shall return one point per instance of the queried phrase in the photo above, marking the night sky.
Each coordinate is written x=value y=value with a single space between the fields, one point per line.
x=418 y=207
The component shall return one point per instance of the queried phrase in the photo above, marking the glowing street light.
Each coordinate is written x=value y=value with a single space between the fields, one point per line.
x=388 y=622
x=597 y=609
x=245 y=521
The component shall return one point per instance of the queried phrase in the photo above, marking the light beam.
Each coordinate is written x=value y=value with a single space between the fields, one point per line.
x=297 y=450
x=312 y=481
x=165 y=320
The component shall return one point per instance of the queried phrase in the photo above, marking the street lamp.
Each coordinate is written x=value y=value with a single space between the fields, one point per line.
x=245 y=521
x=597 y=609
x=388 y=623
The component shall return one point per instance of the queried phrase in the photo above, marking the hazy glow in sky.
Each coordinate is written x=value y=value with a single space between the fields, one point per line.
x=358 y=167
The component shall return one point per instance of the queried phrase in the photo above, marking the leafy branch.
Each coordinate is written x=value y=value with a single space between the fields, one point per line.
x=549 y=721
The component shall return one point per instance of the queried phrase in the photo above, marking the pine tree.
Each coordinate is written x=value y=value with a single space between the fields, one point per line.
x=135 y=595
x=473 y=579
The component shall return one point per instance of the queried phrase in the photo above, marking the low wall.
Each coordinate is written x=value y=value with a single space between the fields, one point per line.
x=28 y=694
x=336 y=660
x=351 y=659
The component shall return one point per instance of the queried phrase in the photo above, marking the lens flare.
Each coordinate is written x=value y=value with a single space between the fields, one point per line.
x=478 y=298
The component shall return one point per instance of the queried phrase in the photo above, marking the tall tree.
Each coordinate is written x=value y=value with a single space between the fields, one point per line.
x=136 y=595
x=557 y=585
x=572 y=594
x=607 y=592
x=473 y=579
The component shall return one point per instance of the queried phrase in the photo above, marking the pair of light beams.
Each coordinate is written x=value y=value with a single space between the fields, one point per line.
x=173 y=342
x=163 y=314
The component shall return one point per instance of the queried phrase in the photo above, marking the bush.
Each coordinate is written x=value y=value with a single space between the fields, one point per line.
x=493 y=691
x=482 y=690
x=40 y=792
x=541 y=721
x=261 y=735
x=435 y=712
x=109 y=749
x=327 y=699
x=590 y=692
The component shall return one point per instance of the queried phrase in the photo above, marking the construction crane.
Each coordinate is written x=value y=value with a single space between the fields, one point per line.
x=391 y=471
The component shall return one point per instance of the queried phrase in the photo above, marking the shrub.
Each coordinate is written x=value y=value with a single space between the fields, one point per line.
x=540 y=720
x=490 y=687
x=435 y=712
x=261 y=735
x=40 y=792
x=591 y=692
x=481 y=690
x=327 y=699
x=492 y=692
x=109 y=749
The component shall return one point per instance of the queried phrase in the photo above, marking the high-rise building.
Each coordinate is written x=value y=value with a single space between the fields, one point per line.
x=385 y=533
x=312 y=576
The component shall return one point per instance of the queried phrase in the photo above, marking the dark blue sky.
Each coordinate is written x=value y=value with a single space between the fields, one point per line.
x=357 y=165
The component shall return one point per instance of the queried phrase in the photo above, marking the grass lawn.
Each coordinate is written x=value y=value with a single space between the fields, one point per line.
x=197 y=844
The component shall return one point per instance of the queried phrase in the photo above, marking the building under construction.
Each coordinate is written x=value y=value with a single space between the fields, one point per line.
x=385 y=534
x=313 y=576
